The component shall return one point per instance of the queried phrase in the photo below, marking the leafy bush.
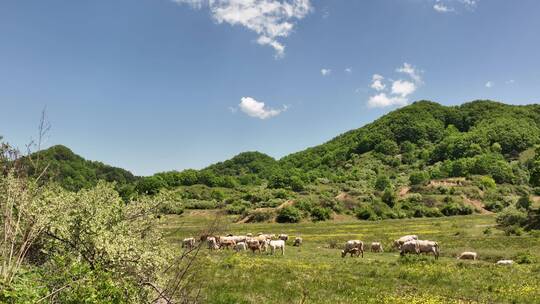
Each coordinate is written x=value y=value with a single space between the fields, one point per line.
x=511 y=216
x=382 y=182
x=239 y=207
x=198 y=204
x=524 y=258
x=389 y=197
x=171 y=207
x=453 y=208
x=365 y=212
x=419 y=178
x=320 y=214
x=289 y=214
x=259 y=216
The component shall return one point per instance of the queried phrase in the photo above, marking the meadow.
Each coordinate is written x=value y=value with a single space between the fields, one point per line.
x=316 y=273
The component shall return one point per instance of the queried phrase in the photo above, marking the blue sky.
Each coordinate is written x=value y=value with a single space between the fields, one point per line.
x=154 y=85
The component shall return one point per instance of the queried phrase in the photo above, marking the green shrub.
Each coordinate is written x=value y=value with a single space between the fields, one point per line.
x=198 y=204
x=289 y=215
x=524 y=203
x=511 y=216
x=419 y=178
x=258 y=216
x=171 y=207
x=320 y=214
x=365 y=212
x=389 y=197
x=524 y=258
x=382 y=182
x=237 y=207
x=453 y=208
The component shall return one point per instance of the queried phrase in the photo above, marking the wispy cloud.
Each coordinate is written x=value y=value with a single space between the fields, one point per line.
x=449 y=6
x=490 y=84
x=348 y=70
x=399 y=91
x=326 y=72
x=410 y=70
x=441 y=8
x=272 y=20
x=258 y=109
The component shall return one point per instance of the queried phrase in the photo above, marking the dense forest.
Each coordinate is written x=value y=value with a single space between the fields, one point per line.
x=424 y=159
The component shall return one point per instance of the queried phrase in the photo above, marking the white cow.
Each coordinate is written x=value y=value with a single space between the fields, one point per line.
x=505 y=262
x=376 y=247
x=277 y=244
x=212 y=243
x=355 y=247
x=409 y=247
x=240 y=246
x=402 y=240
x=468 y=255
x=429 y=247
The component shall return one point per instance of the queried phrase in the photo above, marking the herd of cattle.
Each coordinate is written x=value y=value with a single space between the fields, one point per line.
x=409 y=244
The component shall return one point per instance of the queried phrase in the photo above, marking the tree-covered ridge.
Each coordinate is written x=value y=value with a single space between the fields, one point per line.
x=489 y=146
x=73 y=172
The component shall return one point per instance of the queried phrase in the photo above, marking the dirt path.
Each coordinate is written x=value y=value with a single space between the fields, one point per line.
x=476 y=204
x=403 y=191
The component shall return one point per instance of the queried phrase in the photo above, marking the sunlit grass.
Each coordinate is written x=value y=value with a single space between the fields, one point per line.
x=314 y=273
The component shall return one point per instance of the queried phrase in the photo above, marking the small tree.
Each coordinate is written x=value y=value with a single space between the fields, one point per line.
x=419 y=178
x=389 y=197
x=382 y=182
x=320 y=214
x=289 y=215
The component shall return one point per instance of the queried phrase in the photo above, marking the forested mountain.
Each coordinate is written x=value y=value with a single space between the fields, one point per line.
x=483 y=153
x=73 y=172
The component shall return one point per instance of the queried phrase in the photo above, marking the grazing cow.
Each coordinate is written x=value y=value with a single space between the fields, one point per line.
x=254 y=245
x=297 y=241
x=505 y=262
x=239 y=238
x=212 y=243
x=429 y=247
x=355 y=247
x=188 y=243
x=409 y=247
x=402 y=240
x=376 y=247
x=467 y=255
x=277 y=244
x=226 y=241
x=283 y=237
x=241 y=246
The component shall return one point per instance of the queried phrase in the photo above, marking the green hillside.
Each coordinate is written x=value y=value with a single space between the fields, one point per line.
x=424 y=159
x=73 y=172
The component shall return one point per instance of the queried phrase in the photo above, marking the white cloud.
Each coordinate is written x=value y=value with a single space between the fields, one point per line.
x=489 y=84
x=325 y=72
x=270 y=19
x=397 y=94
x=441 y=8
x=511 y=81
x=411 y=71
x=257 y=109
x=382 y=100
x=403 y=88
x=348 y=70
x=377 y=82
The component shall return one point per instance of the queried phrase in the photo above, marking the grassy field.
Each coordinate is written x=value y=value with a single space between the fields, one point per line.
x=315 y=272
